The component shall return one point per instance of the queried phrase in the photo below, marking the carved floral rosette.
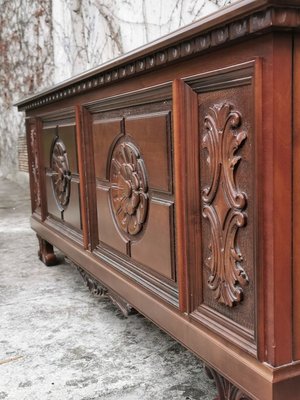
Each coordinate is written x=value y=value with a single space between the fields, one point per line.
x=60 y=174
x=129 y=188
x=224 y=203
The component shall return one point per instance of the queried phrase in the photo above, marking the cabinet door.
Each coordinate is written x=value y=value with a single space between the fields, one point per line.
x=216 y=139
x=60 y=161
x=133 y=164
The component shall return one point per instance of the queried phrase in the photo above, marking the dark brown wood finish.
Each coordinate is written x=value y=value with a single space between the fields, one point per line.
x=83 y=185
x=170 y=176
x=88 y=160
x=34 y=171
x=46 y=253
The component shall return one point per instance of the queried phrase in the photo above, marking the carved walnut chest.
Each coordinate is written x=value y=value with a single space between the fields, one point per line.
x=171 y=178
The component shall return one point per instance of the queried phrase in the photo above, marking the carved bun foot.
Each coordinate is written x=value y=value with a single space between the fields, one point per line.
x=226 y=390
x=98 y=289
x=46 y=253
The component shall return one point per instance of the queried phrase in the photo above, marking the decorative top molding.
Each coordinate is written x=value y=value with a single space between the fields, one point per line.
x=245 y=18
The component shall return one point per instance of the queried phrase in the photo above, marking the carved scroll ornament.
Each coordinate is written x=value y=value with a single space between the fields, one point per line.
x=226 y=390
x=61 y=174
x=129 y=188
x=35 y=168
x=223 y=203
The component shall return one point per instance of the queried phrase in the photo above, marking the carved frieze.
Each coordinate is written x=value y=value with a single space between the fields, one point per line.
x=226 y=390
x=224 y=203
x=129 y=188
x=60 y=173
x=99 y=290
x=243 y=25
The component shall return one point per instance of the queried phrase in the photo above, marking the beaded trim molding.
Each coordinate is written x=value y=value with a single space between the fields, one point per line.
x=259 y=22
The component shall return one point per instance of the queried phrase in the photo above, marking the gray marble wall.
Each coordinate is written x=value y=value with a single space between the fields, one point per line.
x=46 y=41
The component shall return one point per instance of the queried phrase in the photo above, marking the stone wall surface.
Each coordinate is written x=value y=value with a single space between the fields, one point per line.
x=26 y=65
x=46 y=41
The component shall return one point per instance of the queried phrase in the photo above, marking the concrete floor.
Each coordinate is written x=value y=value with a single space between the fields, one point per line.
x=58 y=341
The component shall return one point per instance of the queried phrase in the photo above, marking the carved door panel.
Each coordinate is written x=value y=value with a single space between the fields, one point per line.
x=219 y=269
x=62 y=174
x=134 y=191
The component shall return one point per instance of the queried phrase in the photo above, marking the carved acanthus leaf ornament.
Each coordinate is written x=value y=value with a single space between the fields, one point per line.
x=224 y=203
x=226 y=390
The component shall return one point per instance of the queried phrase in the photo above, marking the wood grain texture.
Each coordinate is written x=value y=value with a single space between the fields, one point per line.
x=296 y=199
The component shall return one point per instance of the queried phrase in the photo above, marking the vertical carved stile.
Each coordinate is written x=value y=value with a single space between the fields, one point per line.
x=224 y=203
x=34 y=167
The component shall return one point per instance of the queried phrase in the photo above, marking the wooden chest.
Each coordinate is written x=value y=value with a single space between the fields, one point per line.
x=171 y=176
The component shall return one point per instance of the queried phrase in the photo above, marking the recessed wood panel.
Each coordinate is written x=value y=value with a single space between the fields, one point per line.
x=104 y=133
x=152 y=134
x=51 y=203
x=72 y=211
x=108 y=232
x=155 y=248
x=48 y=136
x=68 y=136
x=227 y=170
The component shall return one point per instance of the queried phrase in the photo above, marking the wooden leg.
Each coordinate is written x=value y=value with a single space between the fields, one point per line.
x=46 y=252
x=226 y=389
